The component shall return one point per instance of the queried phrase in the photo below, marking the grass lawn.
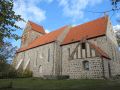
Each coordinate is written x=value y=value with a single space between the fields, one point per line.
x=38 y=84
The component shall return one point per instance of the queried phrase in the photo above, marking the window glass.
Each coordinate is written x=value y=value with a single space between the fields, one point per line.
x=86 y=65
x=83 y=45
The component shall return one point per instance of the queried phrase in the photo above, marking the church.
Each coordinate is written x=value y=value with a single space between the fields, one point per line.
x=86 y=51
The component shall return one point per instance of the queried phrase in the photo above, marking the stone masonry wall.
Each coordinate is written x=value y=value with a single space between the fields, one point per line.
x=41 y=60
x=74 y=67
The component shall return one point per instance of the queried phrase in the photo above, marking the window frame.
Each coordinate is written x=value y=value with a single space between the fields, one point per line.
x=86 y=65
x=83 y=45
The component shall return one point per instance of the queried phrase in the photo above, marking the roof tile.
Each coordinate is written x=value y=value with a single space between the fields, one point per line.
x=37 y=27
x=88 y=30
x=47 y=38
x=99 y=50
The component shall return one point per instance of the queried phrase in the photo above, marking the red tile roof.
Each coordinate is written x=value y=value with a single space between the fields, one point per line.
x=47 y=38
x=99 y=51
x=88 y=30
x=37 y=27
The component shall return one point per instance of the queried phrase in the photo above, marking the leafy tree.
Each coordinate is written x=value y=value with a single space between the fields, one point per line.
x=7 y=52
x=118 y=36
x=115 y=3
x=8 y=26
x=8 y=21
x=115 y=6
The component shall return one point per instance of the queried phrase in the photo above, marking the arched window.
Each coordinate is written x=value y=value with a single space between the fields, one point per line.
x=49 y=55
x=86 y=65
x=40 y=69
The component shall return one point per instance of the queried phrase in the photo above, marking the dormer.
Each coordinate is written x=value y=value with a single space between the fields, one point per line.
x=31 y=32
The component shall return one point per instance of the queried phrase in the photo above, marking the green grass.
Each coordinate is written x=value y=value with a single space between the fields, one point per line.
x=38 y=84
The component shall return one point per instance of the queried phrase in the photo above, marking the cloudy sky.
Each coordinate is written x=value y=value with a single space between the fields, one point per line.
x=52 y=14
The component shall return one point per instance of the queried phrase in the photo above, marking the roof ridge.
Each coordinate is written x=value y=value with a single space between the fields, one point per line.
x=34 y=23
x=92 y=21
x=47 y=38
x=37 y=27
x=90 y=29
x=50 y=33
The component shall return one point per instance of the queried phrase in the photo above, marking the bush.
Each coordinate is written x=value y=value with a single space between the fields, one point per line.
x=56 y=77
x=62 y=77
x=9 y=74
x=12 y=73
x=27 y=73
x=23 y=74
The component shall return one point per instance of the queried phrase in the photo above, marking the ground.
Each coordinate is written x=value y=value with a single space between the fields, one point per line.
x=38 y=84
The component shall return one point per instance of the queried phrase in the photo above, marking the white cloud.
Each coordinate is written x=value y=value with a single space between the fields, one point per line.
x=47 y=31
x=118 y=15
x=74 y=8
x=116 y=28
x=29 y=10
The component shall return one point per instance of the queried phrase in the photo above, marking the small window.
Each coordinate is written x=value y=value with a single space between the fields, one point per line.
x=83 y=45
x=86 y=65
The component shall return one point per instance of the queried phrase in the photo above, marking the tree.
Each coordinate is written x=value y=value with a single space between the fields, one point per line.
x=8 y=21
x=118 y=36
x=7 y=52
x=8 y=26
x=115 y=3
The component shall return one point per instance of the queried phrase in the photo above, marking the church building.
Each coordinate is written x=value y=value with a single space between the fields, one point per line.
x=86 y=51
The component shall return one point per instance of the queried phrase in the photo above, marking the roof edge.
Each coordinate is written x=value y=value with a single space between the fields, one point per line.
x=80 y=40
x=35 y=46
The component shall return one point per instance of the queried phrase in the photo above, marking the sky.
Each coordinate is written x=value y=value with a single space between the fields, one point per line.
x=53 y=14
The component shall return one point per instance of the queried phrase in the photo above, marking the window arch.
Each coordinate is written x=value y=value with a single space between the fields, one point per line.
x=40 y=69
x=86 y=65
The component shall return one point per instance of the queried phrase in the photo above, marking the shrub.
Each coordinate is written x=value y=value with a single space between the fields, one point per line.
x=12 y=73
x=27 y=73
x=56 y=77
x=62 y=77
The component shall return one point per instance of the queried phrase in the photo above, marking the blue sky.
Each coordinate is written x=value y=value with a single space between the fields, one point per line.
x=52 y=14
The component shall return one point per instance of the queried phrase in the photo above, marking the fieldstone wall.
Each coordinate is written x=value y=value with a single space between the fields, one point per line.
x=77 y=71
x=98 y=69
x=41 y=60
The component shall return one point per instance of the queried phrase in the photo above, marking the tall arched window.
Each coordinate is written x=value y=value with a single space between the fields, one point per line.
x=40 y=69
x=86 y=65
x=49 y=55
